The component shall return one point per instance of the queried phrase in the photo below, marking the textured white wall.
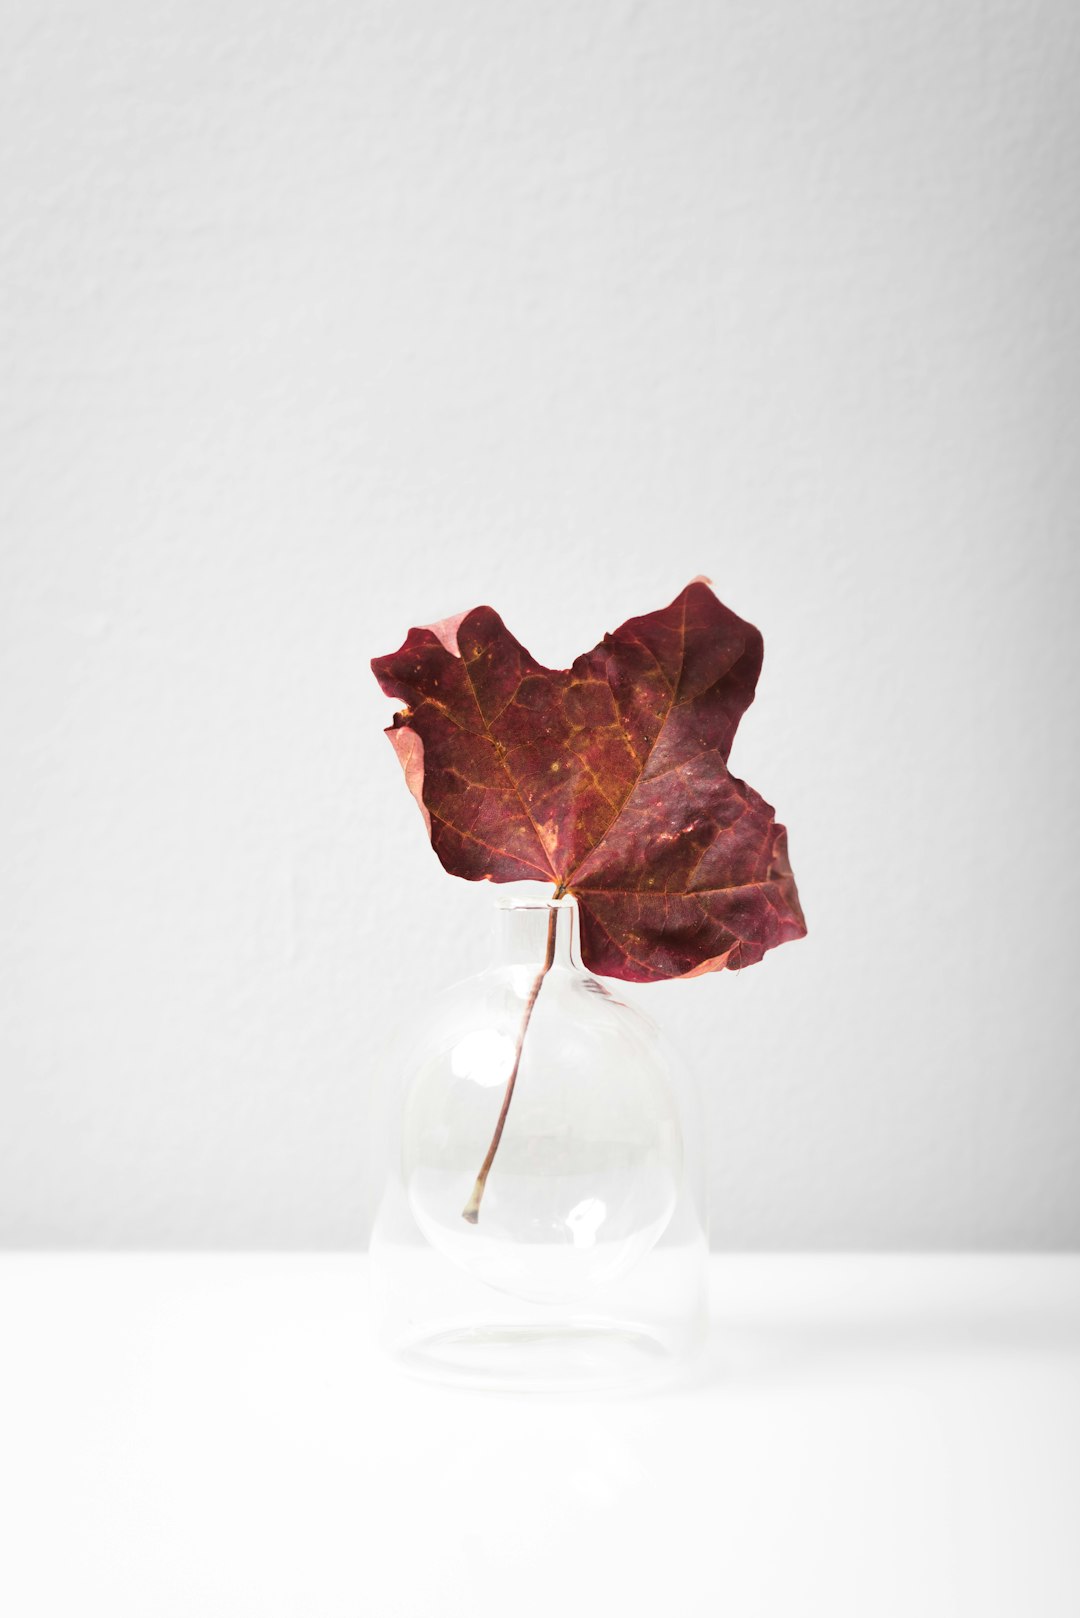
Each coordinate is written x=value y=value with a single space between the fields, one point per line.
x=323 y=318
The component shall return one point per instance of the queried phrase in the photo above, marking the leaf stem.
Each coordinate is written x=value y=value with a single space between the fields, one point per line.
x=471 y=1210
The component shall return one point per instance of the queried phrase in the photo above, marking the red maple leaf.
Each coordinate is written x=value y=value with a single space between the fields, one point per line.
x=608 y=779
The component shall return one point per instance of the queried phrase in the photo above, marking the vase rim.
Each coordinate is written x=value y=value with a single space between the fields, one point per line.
x=520 y=901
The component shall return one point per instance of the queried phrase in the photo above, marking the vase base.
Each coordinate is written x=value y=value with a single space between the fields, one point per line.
x=578 y=1357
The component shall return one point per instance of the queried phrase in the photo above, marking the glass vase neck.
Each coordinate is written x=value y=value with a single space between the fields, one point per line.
x=528 y=928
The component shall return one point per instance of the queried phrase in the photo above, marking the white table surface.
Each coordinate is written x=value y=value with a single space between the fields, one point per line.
x=205 y=1435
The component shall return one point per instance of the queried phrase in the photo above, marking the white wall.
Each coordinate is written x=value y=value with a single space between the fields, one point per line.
x=324 y=318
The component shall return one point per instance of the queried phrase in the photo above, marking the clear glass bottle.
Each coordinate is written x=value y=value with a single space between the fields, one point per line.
x=543 y=1221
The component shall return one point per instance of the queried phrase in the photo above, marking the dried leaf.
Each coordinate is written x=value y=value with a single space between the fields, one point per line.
x=608 y=779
